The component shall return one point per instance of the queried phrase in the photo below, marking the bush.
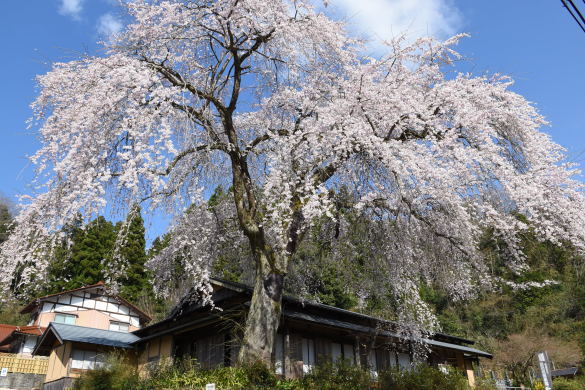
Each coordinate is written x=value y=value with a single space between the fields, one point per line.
x=117 y=375
x=568 y=384
x=343 y=376
x=422 y=377
x=340 y=376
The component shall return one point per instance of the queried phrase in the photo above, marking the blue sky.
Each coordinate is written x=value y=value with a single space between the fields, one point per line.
x=536 y=42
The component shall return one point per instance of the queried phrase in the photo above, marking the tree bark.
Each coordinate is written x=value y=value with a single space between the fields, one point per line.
x=265 y=311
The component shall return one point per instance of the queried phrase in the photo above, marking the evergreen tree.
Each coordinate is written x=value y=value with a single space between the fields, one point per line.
x=132 y=250
x=81 y=258
x=5 y=220
x=59 y=270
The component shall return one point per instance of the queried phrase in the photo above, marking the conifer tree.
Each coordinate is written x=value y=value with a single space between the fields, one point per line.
x=82 y=257
x=132 y=250
x=5 y=220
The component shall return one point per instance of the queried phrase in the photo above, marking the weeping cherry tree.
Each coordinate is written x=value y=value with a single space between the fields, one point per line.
x=276 y=100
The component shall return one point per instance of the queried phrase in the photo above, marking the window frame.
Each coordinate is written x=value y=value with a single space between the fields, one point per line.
x=65 y=315
x=90 y=359
x=118 y=323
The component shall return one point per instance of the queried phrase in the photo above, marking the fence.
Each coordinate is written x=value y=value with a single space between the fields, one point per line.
x=23 y=364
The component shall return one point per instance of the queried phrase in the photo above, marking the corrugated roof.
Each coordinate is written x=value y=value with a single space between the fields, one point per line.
x=82 y=334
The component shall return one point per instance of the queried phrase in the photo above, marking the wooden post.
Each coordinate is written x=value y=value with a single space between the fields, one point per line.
x=357 y=352
x=470 y=373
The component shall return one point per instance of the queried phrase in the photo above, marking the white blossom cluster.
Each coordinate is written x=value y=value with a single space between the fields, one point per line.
x=276 y=98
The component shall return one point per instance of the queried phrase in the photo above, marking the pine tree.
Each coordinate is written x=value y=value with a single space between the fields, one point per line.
x=135 y=283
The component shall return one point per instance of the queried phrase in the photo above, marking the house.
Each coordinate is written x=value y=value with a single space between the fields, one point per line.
x=74 y=349
x=72 y=330
x=309 y=333
x=20 y=339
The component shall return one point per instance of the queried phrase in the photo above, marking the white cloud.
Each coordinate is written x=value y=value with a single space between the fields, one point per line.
x=71 y=8
x=109 y=25
x=385 y=19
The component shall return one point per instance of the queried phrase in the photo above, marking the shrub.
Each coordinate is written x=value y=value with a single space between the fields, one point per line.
x=117 y=375
x=422 y=377
x=569 y=384
x=342 y=376
x=485 y=384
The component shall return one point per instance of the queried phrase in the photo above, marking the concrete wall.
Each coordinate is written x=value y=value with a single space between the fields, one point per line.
x=59 y=384
x=17 y=381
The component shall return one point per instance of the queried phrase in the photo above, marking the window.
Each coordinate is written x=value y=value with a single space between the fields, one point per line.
x=348 y=354
x=308 y=355
x=119 y=326
x=62 y=318
x=343 y=352
x=87 y=360
x=336 y=352
x=373 y=364
x=404 y=361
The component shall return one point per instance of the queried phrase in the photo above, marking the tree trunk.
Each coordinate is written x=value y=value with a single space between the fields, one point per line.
x=264 y=314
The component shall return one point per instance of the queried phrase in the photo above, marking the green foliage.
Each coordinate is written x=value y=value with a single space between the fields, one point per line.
x=10 y=313
x=569 y=384
x=341 y=376
x=83 y=255
x=422 y=377
x=135 y=283
x=118 y=375
x=187 y=375
x=555 y=312
x=85 y=252
x=5 y=221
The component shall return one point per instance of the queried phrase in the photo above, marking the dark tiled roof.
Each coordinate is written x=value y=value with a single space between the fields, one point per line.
x=33 y=304
x=28 y=308
x=305 y=311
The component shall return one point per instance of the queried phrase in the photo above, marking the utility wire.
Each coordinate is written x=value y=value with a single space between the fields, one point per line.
x=577 y=10
x=578 y=17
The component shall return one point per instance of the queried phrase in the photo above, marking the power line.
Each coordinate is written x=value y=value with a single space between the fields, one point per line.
x=578 y=17
x=577 y=10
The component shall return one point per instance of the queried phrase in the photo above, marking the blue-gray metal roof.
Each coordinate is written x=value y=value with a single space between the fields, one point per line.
x=571 y=371
x=82 y=334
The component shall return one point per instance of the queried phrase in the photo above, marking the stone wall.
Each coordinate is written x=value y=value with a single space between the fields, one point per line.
x=20 y=381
